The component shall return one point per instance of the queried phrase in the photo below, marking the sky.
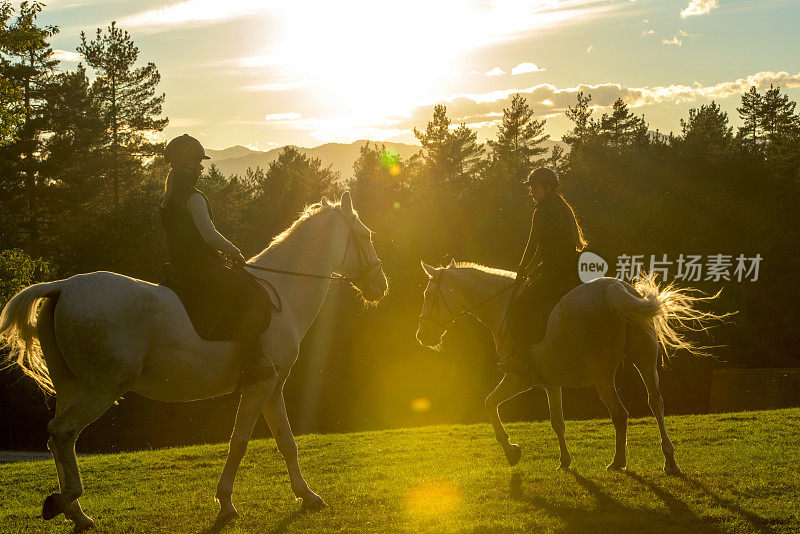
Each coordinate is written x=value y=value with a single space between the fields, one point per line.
x=263 y=74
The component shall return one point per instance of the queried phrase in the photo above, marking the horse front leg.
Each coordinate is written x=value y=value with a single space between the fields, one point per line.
x=557 y=422
x=510 y=386
x=253 y=398
x=275 y=414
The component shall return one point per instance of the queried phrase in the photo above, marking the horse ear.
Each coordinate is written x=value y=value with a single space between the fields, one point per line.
x=346 y=202
x=430 y=271
x=325 y=202
x=452 y=263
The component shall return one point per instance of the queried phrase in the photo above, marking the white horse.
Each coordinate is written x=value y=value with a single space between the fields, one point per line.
x=588 y=333
x=99 y=335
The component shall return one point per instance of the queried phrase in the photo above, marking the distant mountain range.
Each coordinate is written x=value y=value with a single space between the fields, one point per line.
x=237 y=159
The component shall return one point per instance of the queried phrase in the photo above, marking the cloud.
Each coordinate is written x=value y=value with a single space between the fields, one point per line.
x=275 y=86
x=473 y=108
x=184 y=122
x=66 y=56
x=60 y=5
x=590 y=49
x=522 y=68
x=699 y=7
x=484 y=110
x=678 y=38
x=645 y=33
x=486 y=22
x=193 y=13
x=497 y=71
x=282 y=116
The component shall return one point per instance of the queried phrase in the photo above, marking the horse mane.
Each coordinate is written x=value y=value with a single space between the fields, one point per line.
x=483 y=268
x=306 y=214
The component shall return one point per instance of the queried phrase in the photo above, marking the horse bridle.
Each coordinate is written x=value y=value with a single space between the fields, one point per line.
x=436 y=305
x=440 y=299
x=365 y=266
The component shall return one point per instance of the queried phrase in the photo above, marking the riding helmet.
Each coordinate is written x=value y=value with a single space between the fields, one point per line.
x=542 y=175
x=184 y=148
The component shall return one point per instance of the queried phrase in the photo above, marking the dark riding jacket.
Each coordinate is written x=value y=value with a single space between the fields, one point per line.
x=223 y=303
x=552 y=239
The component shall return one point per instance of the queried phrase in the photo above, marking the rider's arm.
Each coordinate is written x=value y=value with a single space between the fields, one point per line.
x=199 y=211
x=530 y=248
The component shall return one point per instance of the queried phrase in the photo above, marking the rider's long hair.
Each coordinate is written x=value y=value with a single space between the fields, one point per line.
x=180 y=183
x=577 y=231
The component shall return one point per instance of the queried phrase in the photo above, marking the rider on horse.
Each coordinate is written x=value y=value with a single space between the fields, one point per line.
x=224 y=303
x=555 y=239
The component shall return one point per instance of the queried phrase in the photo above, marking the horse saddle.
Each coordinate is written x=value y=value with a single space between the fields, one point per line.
x=223 y=303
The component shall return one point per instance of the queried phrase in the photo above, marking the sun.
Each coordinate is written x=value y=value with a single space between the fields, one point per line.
x=372 y=57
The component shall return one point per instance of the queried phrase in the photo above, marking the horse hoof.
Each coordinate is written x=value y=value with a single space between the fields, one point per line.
x=83 y=526
x=672 y=469
x=224 y=518
x=53 y=506
x=312 y=503
x=614 y=466
x=563 y=467
x=513 y=454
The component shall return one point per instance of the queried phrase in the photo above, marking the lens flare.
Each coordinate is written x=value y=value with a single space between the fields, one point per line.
x=390 y=159
x=421 y=405
x=431 y=498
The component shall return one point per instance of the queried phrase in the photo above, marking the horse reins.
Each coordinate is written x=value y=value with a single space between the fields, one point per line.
x=366 y=266
x=453 y=315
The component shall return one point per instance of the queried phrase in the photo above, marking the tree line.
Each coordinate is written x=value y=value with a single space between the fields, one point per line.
x=81 y=174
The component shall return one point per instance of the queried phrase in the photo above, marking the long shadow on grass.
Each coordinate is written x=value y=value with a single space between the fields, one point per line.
x=757 y=522
x=279 y=528
x=610 y=515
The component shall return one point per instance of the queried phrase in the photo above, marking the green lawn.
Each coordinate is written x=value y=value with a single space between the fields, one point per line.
x=742 y=474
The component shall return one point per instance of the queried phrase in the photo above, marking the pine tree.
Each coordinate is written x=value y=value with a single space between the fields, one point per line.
x=10 y=92
x=558 y=159
x=466 y=157
x=706 y=135
x=581 y=116
x=378 y=180
x=72 y=155
x=781 y=128
x=435 y=141
x=519 y=140
x=622 y=129
x=131 y=108
x=750 y=112
x=28 y=63
x=777 y=115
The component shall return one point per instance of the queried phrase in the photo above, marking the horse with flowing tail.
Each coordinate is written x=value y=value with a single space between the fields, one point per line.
x=588 y=333
x=100 y=335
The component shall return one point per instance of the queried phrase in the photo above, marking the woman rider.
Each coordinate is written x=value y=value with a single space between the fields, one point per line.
x=223 y=303
x=555 y=239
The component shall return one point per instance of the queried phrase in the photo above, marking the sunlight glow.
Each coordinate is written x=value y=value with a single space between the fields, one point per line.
x=359 y=53
x=421 y=405
x=433 y=498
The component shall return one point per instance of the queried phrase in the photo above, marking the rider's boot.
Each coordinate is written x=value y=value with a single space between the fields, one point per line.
x=256 y=367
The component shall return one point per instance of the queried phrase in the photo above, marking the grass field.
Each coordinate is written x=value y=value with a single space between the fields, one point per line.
x=742 y=474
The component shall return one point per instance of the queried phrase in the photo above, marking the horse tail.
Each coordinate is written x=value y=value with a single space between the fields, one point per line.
x=664 y=312
x=18 y=332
